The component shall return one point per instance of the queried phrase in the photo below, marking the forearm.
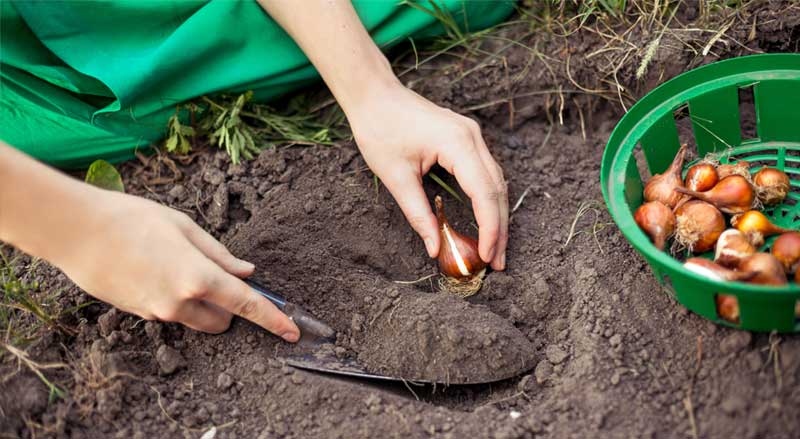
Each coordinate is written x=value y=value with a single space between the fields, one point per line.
x=330 y=33
x=40 y=208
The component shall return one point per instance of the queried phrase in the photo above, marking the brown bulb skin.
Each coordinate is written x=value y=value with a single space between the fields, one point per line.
x=712 y=270
x=787 y=250
x=733 y=194
x=701 y=177
x=657 y=221
x=458 y=254
x=772 y=185
x=770 y=270
x=742 y=167
x=732 y=246
x=662 y=187
x=728 y=307
x=698 y=225
x=756 y=226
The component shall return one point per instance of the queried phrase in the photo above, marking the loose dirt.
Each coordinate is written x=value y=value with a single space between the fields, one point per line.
x=609 y=351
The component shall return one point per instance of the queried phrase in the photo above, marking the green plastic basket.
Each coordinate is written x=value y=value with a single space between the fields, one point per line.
x=712 y=96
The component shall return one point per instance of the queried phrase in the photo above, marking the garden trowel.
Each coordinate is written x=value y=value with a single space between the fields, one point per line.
x=321 y=337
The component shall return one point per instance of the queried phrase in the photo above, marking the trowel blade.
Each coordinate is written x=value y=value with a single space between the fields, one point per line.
x=339 y=366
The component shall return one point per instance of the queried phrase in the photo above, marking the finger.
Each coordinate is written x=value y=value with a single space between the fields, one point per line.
x=217 y=252
x=232 y=294
x=477 y=183
x=406 y=188
x=204 y=317
x=499 y=261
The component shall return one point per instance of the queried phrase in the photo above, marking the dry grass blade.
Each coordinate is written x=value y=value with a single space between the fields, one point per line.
x=24 y=360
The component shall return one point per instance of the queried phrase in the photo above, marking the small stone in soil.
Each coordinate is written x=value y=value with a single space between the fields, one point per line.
x=178 y=192
x=615 y=340
x=735 y=342
x=153 y=330
x=259 y=368
x=224 y=381
x=297 y=378
x=109 y=321
x=169 y=360
x=555 y=354
x=733 y=404
x=543 y=371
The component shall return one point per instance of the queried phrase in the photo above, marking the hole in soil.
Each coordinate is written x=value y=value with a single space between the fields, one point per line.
x=237 y=213
x=747 y=113
x=683 y=122
x=727 y=307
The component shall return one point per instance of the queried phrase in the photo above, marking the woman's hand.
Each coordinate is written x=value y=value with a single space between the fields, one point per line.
x=138 y=255
x=402 y=135
x=155 y=262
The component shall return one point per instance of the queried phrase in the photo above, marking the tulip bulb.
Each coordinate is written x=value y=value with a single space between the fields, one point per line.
x=756 y=226
x=770 y=270
x=728 y=307
x=701 y=177
x=712 y=270
x=661 y=187
x=787 y=250
x=698 y=225
x=772 y=185
x=742 y=167
x=458 y=258
x=732 y=247
x=657 y=221
x=733 y=194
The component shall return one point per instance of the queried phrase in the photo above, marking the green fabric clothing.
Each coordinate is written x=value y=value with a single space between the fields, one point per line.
x=82 y=80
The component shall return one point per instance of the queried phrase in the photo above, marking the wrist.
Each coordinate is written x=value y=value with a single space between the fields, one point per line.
x=358 y=86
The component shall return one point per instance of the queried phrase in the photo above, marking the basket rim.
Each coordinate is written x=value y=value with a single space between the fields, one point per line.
x=665 y=98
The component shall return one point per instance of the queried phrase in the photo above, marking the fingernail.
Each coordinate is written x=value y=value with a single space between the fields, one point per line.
x=291 y=337
x=247 y=265
x=429 y=246
x=503 y=261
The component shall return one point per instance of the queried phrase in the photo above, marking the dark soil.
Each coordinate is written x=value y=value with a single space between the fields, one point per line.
x=610 y=352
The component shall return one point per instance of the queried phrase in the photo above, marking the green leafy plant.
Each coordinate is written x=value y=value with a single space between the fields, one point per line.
x=227 y=130
x=177 y=141
x=105 y=176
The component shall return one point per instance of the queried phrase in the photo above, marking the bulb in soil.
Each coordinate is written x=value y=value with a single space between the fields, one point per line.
x=742 y=167
x=732 y=246
x=459 y=261
x=698 y=225
x=756 y=226
x=769 y=270
x=772 y=185
x=787 y=250
x=657 y=221
x=661 y=187
x=733 y=194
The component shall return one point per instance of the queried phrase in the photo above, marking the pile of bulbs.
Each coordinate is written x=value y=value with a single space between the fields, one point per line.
x=692 y=211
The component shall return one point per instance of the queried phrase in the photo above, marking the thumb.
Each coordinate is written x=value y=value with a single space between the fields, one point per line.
x=407 y=191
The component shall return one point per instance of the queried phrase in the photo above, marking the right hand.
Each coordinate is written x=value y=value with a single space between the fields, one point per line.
x=155 y=262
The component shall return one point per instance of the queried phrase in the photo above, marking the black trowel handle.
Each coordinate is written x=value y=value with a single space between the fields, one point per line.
x=307 y=323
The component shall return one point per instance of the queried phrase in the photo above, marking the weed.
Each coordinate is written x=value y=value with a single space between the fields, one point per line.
x=242 y=127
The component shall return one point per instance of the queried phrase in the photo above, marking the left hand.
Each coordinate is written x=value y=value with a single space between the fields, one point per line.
x=402 y=135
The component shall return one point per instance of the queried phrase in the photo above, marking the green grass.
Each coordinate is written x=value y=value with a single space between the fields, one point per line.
x=25 y=313
x=242 y=127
